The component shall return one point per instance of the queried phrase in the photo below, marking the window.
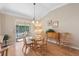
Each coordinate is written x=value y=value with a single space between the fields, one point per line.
x=20 y=29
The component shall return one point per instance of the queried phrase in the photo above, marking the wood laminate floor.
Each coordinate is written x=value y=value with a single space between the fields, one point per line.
x=52 y=50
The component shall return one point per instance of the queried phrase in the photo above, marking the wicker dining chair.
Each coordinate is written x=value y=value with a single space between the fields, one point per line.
x=65 y=38
x=41 y=44
x=26 y=44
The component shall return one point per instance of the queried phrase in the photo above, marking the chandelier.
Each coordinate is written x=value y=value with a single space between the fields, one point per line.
x=34 y=18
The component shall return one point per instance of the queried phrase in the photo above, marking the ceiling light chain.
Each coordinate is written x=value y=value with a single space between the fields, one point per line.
x=34 y=10
x=34 y=18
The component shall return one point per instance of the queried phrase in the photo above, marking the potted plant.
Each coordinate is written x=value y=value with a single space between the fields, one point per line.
x=50 y=30
x=5 y=40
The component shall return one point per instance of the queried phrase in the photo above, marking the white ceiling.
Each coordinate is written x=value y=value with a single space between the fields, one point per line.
x=27 y=9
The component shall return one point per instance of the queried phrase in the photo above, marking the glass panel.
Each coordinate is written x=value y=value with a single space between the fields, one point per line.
x=20 y=29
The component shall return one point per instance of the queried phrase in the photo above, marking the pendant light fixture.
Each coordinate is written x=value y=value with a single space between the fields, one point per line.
x=34 y=18
x=34 y=14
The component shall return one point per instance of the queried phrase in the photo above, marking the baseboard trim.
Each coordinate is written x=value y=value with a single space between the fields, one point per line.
x=51 y=41
x=77 y=48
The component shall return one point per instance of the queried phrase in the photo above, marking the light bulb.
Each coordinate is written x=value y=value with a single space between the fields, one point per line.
x=33 y=22
x=37 y=22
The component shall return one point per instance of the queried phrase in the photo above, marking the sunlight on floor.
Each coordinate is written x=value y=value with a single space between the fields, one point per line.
x=19 y=48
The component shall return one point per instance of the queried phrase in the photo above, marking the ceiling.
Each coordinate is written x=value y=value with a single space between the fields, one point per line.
x=27 y=9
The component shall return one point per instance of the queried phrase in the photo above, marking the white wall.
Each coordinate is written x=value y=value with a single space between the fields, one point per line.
x=68 y=17
x=8 y=26
x=0 y=24
x=22 y=21
x=7 y=23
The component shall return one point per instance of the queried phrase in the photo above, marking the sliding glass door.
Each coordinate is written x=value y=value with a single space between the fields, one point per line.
x=20 y=29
